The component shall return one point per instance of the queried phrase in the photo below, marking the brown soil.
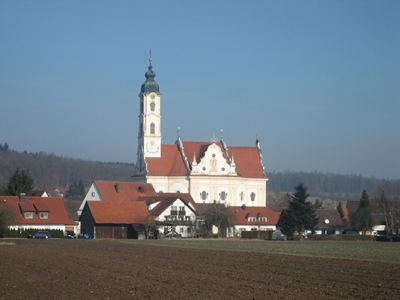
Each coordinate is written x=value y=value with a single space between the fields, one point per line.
x=90 y=269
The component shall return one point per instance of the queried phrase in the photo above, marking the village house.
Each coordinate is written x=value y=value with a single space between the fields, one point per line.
x=252 y=219
x=42 y=213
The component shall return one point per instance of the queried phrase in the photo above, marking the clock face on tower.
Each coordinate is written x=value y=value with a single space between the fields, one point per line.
x=152 y=147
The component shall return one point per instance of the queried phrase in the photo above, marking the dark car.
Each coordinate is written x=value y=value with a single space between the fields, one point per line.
x=84 y=235
x=69 y=234
x=40 y=235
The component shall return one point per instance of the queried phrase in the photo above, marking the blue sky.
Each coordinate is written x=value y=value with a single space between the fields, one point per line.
x=317 y=81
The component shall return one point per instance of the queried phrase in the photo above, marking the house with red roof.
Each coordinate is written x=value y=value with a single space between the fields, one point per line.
x=45 y=213
x=252 y=218
x=173 y=212
x=114 y=191
x=208 y=171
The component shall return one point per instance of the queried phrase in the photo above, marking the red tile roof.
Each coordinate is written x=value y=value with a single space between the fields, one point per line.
x=119 y=212
x=54 y=205
x=171 y=163
x=165 y=200
x=123 y=191
x=241 y=215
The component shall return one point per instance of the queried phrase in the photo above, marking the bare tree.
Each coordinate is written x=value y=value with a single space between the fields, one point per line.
x=277 y=201
x=388 y=198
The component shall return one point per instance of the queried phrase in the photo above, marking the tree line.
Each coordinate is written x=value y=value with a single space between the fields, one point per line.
x=323 y=185
x=50 y=171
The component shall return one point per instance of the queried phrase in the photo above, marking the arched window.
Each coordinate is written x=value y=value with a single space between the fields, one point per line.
x=203 y=195
x=152 y=128
x=252 y=197
x=152 y=106
x=223 y=196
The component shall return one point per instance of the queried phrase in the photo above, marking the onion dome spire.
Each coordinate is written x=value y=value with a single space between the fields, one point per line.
x=150 y=85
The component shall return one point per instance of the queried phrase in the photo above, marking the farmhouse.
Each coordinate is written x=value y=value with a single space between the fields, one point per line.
x=39 y=212
x=252 y=219
x=173 y=212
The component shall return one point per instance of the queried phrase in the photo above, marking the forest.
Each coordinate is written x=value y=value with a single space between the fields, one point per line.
x=50 y=171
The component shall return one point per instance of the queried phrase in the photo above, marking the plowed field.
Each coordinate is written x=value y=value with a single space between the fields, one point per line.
x=91 y=269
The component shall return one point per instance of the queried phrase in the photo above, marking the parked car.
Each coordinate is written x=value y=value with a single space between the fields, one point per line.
x=40 y=235
x=69 y=234
x=84 y=235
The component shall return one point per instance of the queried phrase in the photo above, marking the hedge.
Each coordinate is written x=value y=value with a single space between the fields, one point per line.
x=23 y=232
x=262 y=235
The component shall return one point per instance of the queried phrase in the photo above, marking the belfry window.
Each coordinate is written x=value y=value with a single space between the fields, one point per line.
x=152 y=106
x=252 y=197
x=223 y=196
x=152 y=128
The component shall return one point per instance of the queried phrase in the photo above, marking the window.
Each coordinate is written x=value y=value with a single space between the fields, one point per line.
x=152 y=128
x=43 y=215
x=187 y=218
x=152 y=106
x=188 y=230
x=93 y=194
x=173 y=207
x=241 y=196
x=223 y=195
x=28 y=215
x=252 y=197
x=204 y=195
x=181 y=230
x=181 y=208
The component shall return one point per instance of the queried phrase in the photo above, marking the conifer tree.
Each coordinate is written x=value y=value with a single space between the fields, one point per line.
x=362 y=219
x=300 y=215
x=20 y=182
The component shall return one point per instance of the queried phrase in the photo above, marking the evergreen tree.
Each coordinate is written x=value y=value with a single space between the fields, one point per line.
x=362 y=219
x=76 y=191
x=19 y=182
x=340 y=210
x=300 y=215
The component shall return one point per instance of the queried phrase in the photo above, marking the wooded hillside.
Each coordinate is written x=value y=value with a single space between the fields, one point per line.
x=50 y=171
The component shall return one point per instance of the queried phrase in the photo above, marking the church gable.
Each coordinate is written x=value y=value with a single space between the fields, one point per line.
x=212 y=162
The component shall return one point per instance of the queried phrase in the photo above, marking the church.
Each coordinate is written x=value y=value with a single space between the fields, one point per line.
x=211 y=172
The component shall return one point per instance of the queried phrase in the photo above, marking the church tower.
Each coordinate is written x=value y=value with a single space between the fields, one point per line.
x=149 y=137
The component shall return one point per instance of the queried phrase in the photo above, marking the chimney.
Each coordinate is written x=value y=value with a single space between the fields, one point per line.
x=22 y=197
x=116 y=186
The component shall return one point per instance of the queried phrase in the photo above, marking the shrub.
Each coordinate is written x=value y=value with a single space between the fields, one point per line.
x=262 y=235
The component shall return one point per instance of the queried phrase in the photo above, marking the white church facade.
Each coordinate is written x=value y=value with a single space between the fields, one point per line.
x=209 y=171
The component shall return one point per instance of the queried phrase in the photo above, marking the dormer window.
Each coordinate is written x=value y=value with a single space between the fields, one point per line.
x=43 y=215
x=28 y=215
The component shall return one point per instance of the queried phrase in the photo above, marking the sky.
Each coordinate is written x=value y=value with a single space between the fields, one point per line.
x=318 y=82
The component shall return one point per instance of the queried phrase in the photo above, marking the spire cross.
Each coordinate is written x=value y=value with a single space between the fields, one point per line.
x=150 y=59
